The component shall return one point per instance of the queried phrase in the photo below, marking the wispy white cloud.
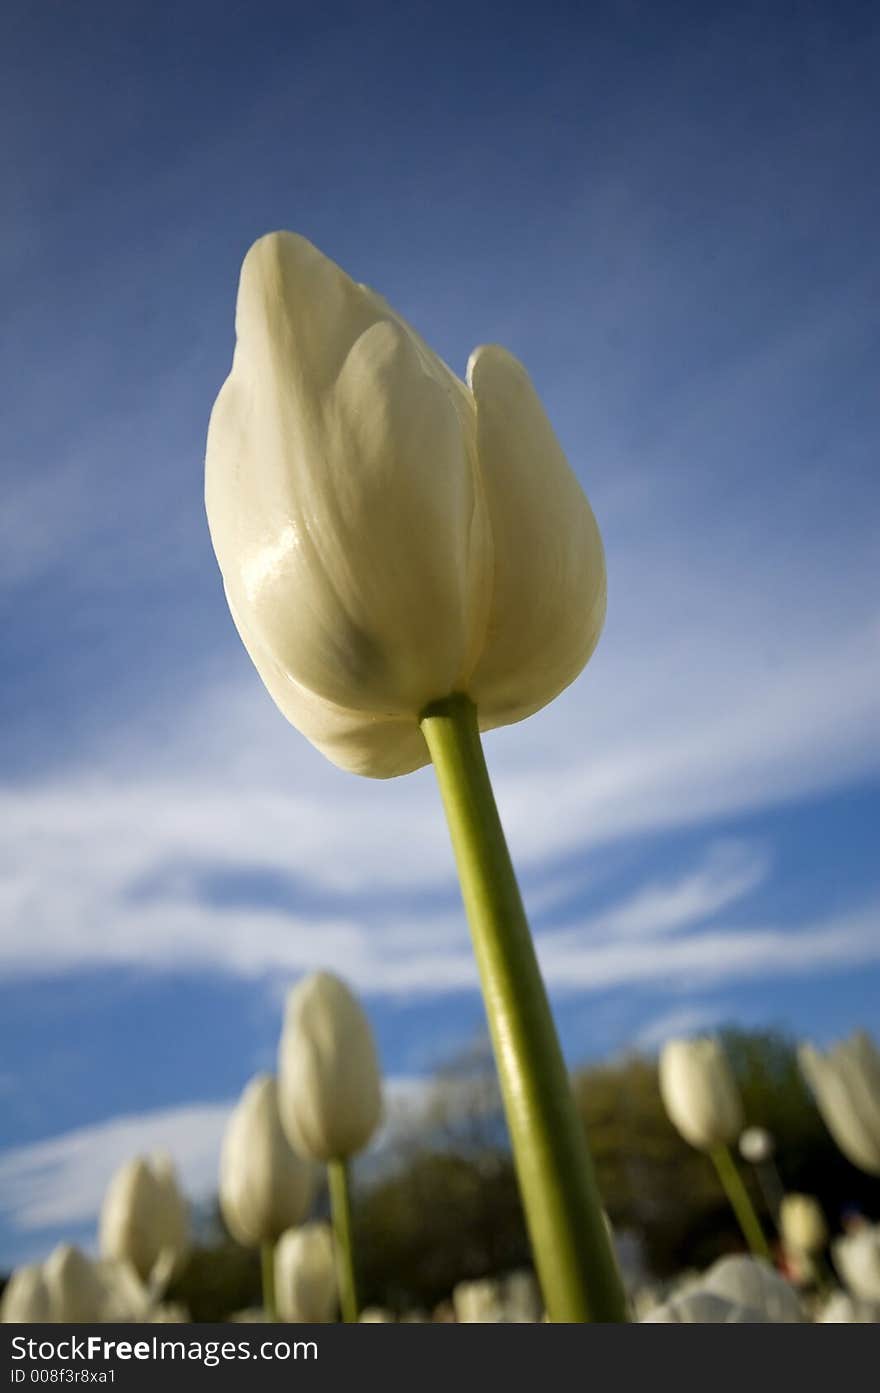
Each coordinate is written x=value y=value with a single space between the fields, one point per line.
x=61 y=1180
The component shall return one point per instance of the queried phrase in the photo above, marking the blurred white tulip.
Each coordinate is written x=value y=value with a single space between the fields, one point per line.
x=846 y=1084
x=699 y=1092
x=376 y=1315
x=25 y=1299
x=387 y=534
x=803 y=1225
x=265 y=1187
x=857 y=1259
x=752 y=1282
x=842 y=1309
x=703 y=1308
x=756 y=1145
x=305 y=1275
x=329 y=1086
x=144 y=1220
x=479 y=1302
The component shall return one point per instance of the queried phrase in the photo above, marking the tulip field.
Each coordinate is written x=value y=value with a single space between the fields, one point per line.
x=307 y=1248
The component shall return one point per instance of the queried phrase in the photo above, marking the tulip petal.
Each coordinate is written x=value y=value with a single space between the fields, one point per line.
x=379 y=747
x=340 y=492
x=548 y=600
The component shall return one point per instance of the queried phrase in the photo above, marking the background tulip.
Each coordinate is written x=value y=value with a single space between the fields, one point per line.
x=330 y=1097
x=305 y=1274
x=846 y=1085
x=857 y=1259
x=753 y=1283
x=702 y=1101
x=756 y=1145
x=265 y=1187
x=699 y=1092
x=25 y=1299
x=387 y=534
x=329 y=1086
x=803 y=1225
x=699 y=1307
x=144 y=1220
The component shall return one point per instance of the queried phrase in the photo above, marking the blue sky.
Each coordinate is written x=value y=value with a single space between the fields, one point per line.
x=670 y=213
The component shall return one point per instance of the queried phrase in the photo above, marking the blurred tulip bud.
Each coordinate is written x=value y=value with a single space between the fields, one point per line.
x=329 y=1087
x=25 y=1299
x=144 y=1219
x=699 y=1092
x=265 y=1187
x=846 y=1084
x=479 y=1302
x=841 y=1309
x=702 y=1308
x=753 y=1283
x=803 y=1225
x=388 y=535
x=305 y=1275
x=376 y=1315
x=756 y=1145
x=857 y=1259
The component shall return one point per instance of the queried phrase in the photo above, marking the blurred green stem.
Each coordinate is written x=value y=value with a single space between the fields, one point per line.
x=740 y=1202
x=570 y=1241
x=267 y=1264
x=340 y=1208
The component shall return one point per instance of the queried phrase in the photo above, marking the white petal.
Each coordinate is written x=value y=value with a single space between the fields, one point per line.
x=549 y=589
x=340 y=490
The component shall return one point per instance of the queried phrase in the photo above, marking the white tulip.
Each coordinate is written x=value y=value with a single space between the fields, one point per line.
x=802 y=1224
x=265 y=1187
x=756 y=1145
x=479 y=1302
x=846 y=1084
x=71 y=1288
x=329 y=1086
x=857 y=1259
x=841 y=1309
x=703 y=1308
x=699 y=1092
x=144 y=1219
x=25 y=1299
x=388 y=535
x=753 y=1283
x=305 y=1275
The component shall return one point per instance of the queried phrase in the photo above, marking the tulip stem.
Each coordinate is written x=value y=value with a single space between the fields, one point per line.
x=340 y=1208
x=267 y=1265
x=740 y=1201
x=570 y=1241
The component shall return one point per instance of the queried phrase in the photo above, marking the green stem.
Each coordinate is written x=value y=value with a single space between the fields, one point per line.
x=740 y=1202
x=340 y=1208
x=267 y=1265
x=574 y=1258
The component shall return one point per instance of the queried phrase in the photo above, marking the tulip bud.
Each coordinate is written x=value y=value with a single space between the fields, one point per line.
x=265 y=1187
x=756 y=1145
x=857 y=1259
x=388 y=535
x=305 y=1275
x=78 y=1292
x=329 y=1088
x=144 y=1220
x=803 y=1225
x=699 y=1092
x=25 y=1299
x=846 y=1084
